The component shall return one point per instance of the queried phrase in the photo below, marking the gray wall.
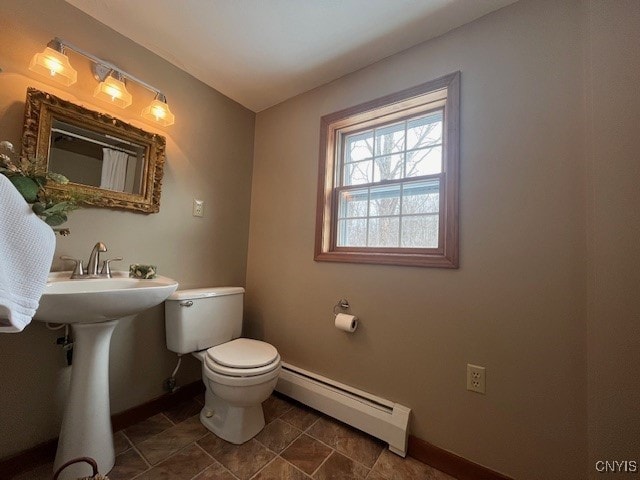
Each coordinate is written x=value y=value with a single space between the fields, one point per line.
x=546 y=296
x=613 y=230
x=517 y=304
x=209 y=156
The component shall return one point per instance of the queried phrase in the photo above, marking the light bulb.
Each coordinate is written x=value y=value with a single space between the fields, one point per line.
x=53 y=65
x=112 y=92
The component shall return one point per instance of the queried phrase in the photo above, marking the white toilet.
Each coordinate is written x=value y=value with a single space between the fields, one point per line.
x=239 y=373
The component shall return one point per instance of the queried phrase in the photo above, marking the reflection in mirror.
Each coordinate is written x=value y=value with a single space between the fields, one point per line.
x=112 y=163
x=99 y=160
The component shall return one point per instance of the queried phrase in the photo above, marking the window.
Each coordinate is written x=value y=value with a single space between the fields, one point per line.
x=388 y=186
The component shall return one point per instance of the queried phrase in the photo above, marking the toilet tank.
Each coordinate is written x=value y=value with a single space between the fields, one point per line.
x=204 y=317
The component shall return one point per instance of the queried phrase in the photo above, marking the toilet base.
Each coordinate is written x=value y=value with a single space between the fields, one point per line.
x=234 y=424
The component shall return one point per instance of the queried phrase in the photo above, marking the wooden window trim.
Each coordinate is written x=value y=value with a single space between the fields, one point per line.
x=442 y=92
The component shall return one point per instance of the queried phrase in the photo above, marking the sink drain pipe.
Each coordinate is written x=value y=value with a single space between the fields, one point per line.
x=65 y=342
x=170 y=383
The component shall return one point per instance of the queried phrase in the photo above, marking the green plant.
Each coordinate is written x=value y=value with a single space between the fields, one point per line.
x=52 y=207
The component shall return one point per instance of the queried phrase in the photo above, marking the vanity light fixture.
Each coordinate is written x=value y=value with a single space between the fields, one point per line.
x=112 y=89
x=158 y=111
x=54 y=63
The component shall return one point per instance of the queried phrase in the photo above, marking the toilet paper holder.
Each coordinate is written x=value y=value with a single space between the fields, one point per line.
x=342 y=304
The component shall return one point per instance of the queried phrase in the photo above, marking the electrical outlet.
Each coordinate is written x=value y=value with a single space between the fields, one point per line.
x=198 y=208
x=476 y=378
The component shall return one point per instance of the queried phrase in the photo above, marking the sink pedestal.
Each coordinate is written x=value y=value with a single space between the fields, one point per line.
x=93 y=307
x=86 y=425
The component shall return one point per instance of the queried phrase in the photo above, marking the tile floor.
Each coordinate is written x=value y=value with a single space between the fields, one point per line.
x=296 y=444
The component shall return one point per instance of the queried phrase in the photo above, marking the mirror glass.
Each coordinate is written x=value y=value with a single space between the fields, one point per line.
x=113 y=163
x=92 y=158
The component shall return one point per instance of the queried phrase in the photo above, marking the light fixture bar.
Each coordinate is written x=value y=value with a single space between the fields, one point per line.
x=54 y=62
x=62 y=44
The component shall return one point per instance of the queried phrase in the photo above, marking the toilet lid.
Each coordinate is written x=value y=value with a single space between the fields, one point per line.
x=243 y=353
x=213 y=366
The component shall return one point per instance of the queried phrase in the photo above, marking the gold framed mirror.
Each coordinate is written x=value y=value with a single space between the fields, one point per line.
x=108 y=162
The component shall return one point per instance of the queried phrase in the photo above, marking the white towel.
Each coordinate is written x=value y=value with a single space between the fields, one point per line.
x=26 y=252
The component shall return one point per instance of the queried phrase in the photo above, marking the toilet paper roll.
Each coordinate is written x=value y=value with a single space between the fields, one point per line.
x=346 y=322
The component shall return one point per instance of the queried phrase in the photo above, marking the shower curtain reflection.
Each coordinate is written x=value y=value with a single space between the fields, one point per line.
x=114 y=169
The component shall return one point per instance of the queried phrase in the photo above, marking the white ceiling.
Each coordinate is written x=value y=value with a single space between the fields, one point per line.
x=262 y=52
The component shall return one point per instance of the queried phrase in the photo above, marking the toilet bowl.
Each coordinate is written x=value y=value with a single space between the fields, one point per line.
x=239 y=373
x=234 y=393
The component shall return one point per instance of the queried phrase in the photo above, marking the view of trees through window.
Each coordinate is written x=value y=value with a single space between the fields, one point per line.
x=389 y=178
x=389 y=184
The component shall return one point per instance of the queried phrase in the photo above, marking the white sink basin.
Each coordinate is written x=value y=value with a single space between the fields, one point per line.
x=93 y=308
x=100 y=300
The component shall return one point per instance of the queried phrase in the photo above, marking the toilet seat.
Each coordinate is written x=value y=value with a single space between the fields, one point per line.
x=242 y=357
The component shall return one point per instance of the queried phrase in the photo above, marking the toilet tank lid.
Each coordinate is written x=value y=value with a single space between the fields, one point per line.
x=205 y=292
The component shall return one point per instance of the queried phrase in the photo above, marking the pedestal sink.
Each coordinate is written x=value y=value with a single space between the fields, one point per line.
x=93 y=308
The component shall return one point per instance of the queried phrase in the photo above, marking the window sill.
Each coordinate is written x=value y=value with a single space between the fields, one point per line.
x=402 y=259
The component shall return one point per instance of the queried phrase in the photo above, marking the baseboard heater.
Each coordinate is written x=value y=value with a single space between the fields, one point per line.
x=376 y=416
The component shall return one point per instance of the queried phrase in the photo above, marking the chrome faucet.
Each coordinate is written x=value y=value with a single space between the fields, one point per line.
x=94 y=258
x=92 y=266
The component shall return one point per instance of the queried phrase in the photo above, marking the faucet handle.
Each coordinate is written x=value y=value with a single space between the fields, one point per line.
x=106 y=267
x=78 y=269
